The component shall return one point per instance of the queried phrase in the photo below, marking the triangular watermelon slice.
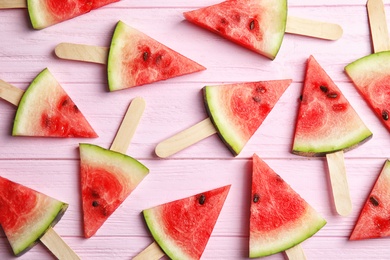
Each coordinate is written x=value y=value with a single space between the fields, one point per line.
x=44 y=13
x=326 y=121
x=137 y=59
x=46 y=110
x=237 y=110
x=107 y=179
x=183 y=227
x=258 y=25
x=279 y=217
x=373 y=221
x=371 y=77
x=26 y=215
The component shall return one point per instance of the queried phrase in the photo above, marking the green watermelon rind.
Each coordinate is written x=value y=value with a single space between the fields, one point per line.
x=38 y=14
x=227 y=135
x=52 y=219
x=297 y=236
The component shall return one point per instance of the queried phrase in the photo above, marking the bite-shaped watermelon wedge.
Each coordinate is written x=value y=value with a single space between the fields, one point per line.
x=373 y=221
x=258 y=25
x=279 y=217
x=237 y=110
x=136 y=59
x=107 y=179
x=26 y=214
x=326 y=121
x=46 y=110
x=371 y=77
x=183 y=227
x=44 y=13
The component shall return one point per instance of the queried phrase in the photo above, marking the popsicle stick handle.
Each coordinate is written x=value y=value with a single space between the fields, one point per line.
x=316 y=29
x=57 y=246
x=378 y=25
x=339 y=183
x=82 y=52
x=10 y=93
x=185 y=138
x=128 y=126
x=152 y=252
x=296 y=253
x=9 y=4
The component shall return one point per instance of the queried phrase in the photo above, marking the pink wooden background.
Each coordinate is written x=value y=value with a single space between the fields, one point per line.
x=52 y=165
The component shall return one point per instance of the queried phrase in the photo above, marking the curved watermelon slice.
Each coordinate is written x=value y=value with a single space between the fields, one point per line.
x=258 y=25
x=237 y=110
x=46 y=110
x=279 y=217
x=326 y=121
x=136 y=59
x=26 y=215
x=371 y=77
x=373 y=221
x=44 y=13
x=107 y=179
x=183 y=227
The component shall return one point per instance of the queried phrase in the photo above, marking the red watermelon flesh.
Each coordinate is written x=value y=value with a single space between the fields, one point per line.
x=44 y=13
x=374 y=219
x=371 y=77
x=326 y=121
x=183 y=227
x=25 y=214
x=279 y=217
x=258 y=25
x=136 y=59
x=46 y=110
x=107 y=179
x=237 y=110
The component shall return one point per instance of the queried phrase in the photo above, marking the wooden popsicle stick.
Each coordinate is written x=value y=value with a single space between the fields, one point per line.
x=316 y=29
x=9 y=4
x=128 y=126
x=82 y=52
x=295 y=253
x=58 y=246
x=339 y=183
x=185 y=138
x=378 y=25
x=10 y=93
x=152 y=252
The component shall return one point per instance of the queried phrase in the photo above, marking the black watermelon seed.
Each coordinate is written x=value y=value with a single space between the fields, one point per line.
x=385 y=114
x=252 y=25
x=257 y=99
x=324 y=89
x=95 y=203
x=65 y=102
x=145 y=56
x=202 y=199
x=332 y=95
x=256 y=198
x=374 y=201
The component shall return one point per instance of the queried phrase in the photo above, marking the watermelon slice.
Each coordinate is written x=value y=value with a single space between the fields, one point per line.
x=237 y=110
x=326 y=121
x=183 y=227
x=44 y=13
x=107 y=179
x=371 y=75
x=26 y=215
x=373 y=221
x=137 y=59
x=46 y=110
x=258 y=25
x=279 y=217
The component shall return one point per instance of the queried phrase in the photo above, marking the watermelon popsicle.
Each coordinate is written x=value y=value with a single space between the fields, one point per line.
x=174 y=225
x=235 y=112
x=370 y=74
x=28 y=216
x=44 y=13
x=109 y=176
x=259 y=25
x=327 y=125
x=45 y=109
x=133 y=58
